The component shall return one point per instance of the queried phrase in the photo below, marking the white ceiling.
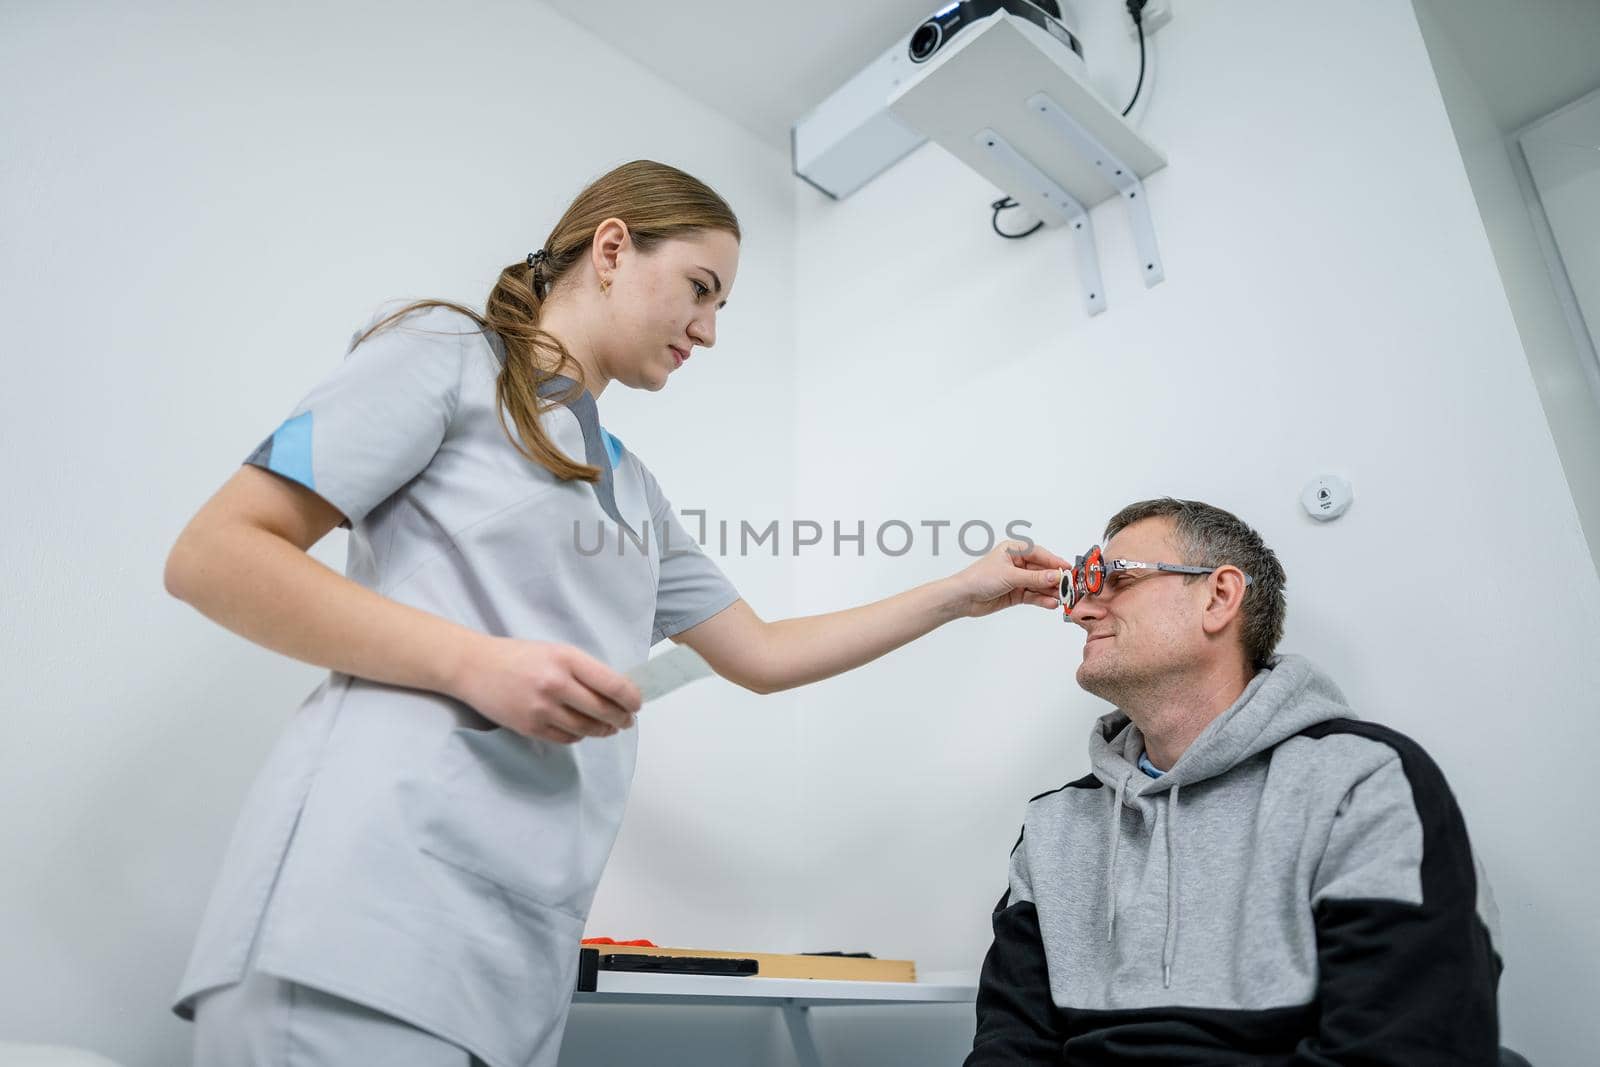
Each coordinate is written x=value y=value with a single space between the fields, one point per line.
x=764 y=64
x=761 y=63
x=1528 y=57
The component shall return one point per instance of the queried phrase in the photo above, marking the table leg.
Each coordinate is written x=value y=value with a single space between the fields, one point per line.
x=798 y=1016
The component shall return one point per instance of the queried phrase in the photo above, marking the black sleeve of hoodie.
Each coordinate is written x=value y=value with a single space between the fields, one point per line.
x=1404 y=983
x=1016 y=1017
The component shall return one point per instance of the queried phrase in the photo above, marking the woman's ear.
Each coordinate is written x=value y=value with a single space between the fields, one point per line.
x=611 y=239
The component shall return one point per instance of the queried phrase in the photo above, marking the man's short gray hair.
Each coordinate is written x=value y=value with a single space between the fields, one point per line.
x=1210 y=537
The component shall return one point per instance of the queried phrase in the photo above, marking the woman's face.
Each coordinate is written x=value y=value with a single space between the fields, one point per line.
x=662 y=306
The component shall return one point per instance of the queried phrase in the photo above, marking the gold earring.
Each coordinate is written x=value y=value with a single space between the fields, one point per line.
x=605 y=286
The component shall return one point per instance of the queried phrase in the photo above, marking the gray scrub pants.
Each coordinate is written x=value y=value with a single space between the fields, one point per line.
x=267 y=1022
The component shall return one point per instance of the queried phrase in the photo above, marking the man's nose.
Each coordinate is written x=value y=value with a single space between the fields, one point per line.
x=1087 y=610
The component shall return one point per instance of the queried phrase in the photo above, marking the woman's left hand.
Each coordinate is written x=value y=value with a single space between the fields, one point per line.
x=1013 y=572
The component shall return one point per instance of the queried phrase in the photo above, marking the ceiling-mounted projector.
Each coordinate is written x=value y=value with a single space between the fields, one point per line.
x=1002 y=86
x=852 y=137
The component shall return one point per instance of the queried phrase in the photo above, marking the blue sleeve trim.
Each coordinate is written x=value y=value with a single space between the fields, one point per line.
x=613 y=448
x=291 y=451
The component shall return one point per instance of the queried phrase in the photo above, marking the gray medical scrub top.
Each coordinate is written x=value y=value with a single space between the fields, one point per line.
x=398 y=849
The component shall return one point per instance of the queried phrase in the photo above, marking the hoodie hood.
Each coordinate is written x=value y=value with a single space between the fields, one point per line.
x=1280 y=701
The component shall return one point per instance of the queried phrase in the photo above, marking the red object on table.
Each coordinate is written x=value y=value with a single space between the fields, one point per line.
x=609 y=941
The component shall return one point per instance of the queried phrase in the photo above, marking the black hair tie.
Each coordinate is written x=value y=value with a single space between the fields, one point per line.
x=534 y=260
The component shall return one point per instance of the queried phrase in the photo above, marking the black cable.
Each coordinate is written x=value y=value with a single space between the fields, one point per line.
x=1136 y=9
x=1001 y=205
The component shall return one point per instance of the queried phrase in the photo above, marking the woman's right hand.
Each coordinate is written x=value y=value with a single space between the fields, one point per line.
x=540 y=689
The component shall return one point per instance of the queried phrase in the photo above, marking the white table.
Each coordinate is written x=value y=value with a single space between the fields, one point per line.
x=795 y=996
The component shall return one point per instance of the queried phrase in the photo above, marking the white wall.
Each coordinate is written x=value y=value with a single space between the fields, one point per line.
x=198 y=204
x=1562 y=152
x=1331 y=305
x=1567 y=380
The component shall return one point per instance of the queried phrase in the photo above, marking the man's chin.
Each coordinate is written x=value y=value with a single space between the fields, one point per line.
x=1097 y=677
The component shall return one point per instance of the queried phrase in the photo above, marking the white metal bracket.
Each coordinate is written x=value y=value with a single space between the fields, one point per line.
x=798 y=1016
x=1066 y=205
x=1118 y=173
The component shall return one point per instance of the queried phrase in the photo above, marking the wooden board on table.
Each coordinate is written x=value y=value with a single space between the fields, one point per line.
x=785 y=965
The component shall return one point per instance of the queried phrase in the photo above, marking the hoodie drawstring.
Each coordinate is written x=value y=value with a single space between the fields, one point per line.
x=1169 y=947
x=1111 y=870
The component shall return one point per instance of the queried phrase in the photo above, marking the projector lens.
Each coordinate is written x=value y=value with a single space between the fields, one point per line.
x=925 y=41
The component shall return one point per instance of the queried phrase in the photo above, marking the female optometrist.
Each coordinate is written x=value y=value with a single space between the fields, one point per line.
x=408 y=881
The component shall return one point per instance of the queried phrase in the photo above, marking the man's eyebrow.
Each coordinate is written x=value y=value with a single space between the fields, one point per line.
x=716 y=283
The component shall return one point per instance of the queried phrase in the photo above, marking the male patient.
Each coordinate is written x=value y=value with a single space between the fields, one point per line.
x=1250 y=874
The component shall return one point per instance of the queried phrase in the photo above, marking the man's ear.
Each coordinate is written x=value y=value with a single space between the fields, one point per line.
x=1226 y=600
x=611 y=238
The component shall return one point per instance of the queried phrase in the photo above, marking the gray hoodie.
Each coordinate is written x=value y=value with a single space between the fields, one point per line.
x=1297 y=888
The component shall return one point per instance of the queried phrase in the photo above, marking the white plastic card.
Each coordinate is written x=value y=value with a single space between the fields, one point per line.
x=662 y=674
